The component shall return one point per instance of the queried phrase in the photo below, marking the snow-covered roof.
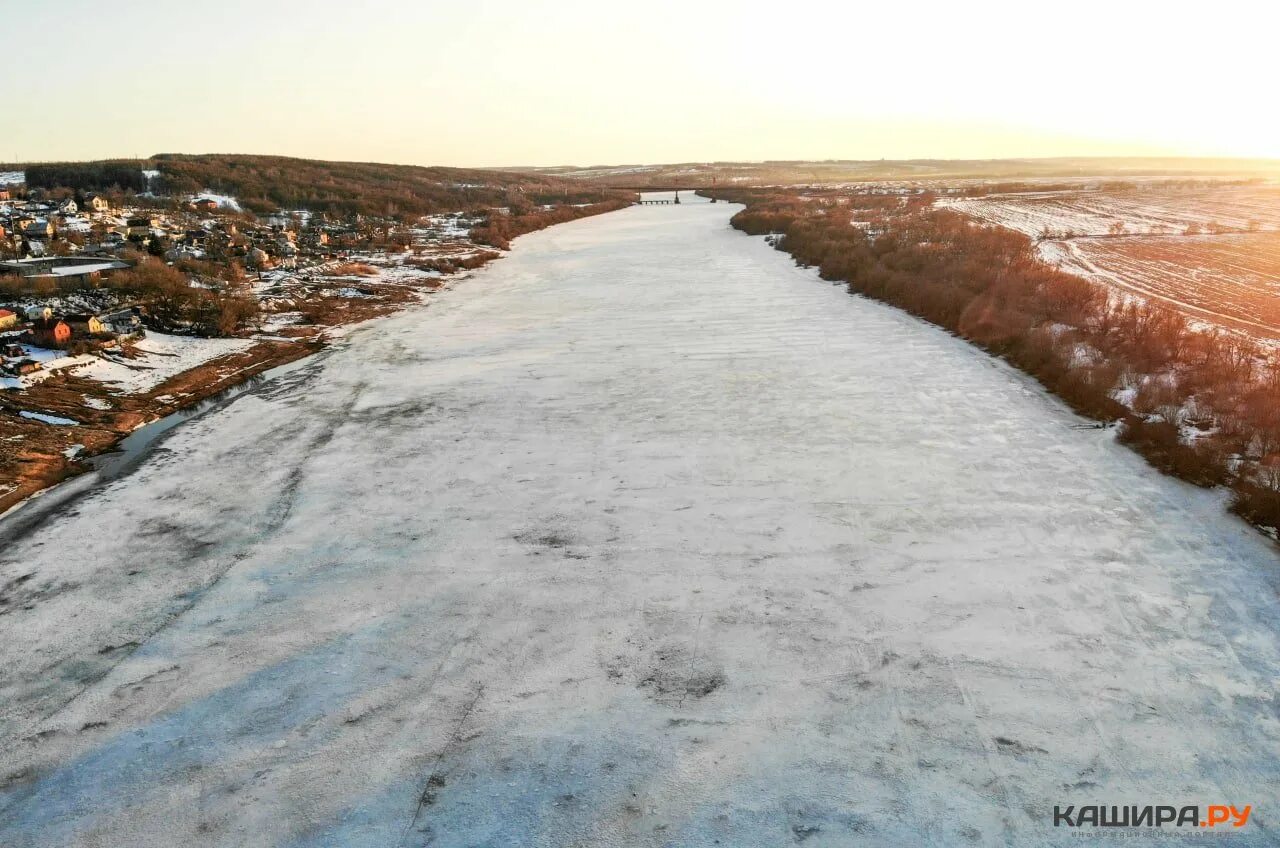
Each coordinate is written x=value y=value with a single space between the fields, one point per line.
x=223 y=200
x=66 y=267
x=76 y=270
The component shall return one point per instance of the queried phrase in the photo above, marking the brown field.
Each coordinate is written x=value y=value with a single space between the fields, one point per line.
x=1231 y=280
x=1225 y=272
x=1145 y=210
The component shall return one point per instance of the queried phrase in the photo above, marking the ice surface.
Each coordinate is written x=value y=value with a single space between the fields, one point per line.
x=640 y=537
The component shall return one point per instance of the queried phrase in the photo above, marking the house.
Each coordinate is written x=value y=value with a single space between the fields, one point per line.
x=24 y=366
x=74 y=224
x=4 y=193
x=7 y=319
x=96 y=203
x=38 y=230
x=68 y=207
x=205 y=204
x=82 y=271
x=196 y=238
x=125 y=322
x=316 y=238
x=181 y=251
x=140 y=227
x=83 y=324
x=50 y=332
x=37 y=313
x=12 y=351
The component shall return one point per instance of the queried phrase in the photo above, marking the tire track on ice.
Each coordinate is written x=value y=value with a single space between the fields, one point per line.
x=283 y=507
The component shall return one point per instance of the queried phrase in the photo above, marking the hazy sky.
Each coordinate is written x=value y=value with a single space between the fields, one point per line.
x=526 y=82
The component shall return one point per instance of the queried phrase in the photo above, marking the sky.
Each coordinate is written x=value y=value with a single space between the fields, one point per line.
x=542 y=82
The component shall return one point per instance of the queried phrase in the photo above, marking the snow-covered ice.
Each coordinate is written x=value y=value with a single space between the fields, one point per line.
x=640 y=537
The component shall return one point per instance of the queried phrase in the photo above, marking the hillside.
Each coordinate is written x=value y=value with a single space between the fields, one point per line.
x=265 y=184
x=707 y=174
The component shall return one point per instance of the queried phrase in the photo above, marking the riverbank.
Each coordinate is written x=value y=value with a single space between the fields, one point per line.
x=52 y=452
x=52 y=430
x=59 y=425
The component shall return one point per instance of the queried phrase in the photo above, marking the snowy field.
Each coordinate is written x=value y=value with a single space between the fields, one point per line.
x=1159 y=211
x=1230 y=279
x=163 y=356
x=640 y=537
x=160 y=356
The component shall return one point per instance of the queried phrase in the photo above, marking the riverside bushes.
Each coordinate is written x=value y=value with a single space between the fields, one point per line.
x=500 y=227
x=173 y=304
x=1203 y=405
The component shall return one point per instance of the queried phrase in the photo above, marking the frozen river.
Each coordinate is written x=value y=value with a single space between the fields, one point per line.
x=640 y=537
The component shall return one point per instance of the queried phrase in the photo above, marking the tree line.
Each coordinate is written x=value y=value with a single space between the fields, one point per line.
x=267 y=184
x=112 y=175
x=498 y=228
x=219 y=306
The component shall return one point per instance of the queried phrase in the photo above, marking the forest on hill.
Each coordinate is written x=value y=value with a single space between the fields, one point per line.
x=266 y=184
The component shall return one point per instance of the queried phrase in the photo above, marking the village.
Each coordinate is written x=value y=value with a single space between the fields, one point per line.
x=118 y=310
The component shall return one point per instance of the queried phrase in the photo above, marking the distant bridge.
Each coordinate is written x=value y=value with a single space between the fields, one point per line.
x=643 y=201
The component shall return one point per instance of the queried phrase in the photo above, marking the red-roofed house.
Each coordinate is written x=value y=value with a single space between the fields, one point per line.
x=50 y=332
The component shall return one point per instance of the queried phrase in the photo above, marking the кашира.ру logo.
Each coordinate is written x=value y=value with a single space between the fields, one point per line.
x=1151 y=815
